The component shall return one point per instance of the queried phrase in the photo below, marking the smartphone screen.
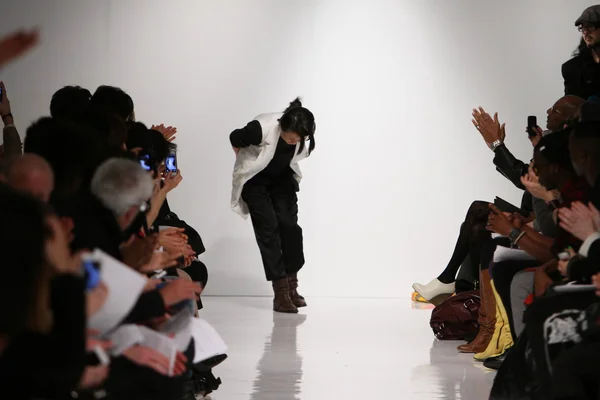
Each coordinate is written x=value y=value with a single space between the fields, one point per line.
x=145 y=162
x=1 y=94
x=171 y=163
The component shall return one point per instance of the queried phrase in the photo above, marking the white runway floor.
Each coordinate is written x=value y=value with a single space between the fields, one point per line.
x=339 y=349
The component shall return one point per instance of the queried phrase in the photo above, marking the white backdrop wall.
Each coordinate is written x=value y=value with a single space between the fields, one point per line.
x=392 y=85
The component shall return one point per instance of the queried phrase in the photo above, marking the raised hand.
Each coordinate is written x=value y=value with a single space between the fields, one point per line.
x=16 y=44
x=490 y=128
x=577 y=220
x=168 y=132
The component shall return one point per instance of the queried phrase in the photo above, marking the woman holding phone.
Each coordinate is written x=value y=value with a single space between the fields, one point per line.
x=266 y=179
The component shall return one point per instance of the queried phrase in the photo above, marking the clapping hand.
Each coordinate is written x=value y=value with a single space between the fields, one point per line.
x=581 y=221
x=500 y=223
x=168 y=132
x=16 y=44
x=532 y=183
x=491 y=130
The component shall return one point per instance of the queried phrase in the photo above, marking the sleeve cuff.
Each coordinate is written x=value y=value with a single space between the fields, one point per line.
x=587 y=244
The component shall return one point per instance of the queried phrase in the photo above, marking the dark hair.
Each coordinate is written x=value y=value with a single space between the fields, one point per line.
x=582 y=50
x=70 y=101
x=113 y=100
x=590 y=111
x=109 y=127
x=73 y=151
x=587 y=129
x=301 y=121
x=152 y=143
x=555 y=148
x=23 y=231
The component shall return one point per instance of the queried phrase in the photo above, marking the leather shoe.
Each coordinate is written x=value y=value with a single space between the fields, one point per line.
x=495 y=362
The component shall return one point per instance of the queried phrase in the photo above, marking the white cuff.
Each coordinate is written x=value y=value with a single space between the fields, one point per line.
x=585 y=247
x=9 y=126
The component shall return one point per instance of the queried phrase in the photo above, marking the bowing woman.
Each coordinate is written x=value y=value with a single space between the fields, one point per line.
x=266 y=179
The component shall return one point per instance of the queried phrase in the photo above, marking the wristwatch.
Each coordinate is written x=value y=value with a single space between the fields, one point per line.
x=514 y=235
x=495 y=144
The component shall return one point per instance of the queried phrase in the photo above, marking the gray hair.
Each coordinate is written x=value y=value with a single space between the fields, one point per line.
x=121 y=184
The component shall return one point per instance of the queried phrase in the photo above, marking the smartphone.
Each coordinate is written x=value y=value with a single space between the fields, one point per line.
x=171 y=163
x=145 y=162
x=506 y=207
x=91 y=270
x=531 y=125
x=1 y=94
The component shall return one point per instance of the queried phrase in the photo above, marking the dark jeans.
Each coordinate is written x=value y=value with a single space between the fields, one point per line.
x=274 y=213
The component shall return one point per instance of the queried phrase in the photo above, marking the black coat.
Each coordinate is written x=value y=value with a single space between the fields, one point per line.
x=582 y=77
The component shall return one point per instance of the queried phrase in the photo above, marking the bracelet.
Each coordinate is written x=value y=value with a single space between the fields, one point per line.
x=518 y=239
x=553 y=205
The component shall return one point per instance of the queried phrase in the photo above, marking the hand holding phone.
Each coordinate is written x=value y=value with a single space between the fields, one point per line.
x=531 y=125
x=171 y=164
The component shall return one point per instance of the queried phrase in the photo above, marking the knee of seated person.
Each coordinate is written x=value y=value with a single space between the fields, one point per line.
x=183 y=275
x=479 y=209
x=201 y=274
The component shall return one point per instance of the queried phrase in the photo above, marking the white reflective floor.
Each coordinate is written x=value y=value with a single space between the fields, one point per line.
x=339 y=349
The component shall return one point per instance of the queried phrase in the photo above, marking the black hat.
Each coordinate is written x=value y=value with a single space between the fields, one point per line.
x=591 y=15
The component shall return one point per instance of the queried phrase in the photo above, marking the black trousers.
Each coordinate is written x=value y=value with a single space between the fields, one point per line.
x=535 y=317
x=576 y=372
x=274 y=213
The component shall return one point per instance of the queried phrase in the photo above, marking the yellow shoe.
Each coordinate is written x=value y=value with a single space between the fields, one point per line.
x=418 y=298
x=502 y=338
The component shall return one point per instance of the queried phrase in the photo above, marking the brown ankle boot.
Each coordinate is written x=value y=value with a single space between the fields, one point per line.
x=487 y=316
x=282 y=302
x=296 y=298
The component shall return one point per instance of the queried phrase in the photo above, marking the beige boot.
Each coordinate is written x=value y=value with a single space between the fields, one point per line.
x=502 y=338
x=282 y=302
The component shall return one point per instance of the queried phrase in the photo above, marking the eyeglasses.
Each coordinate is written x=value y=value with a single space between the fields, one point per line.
x=553 y=109
x=588 y=28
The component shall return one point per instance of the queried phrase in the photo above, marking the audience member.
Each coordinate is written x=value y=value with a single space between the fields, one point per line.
x=582 y=72
x=112 y=100
x=69 y=102
x=31 y=174
x=473 y=234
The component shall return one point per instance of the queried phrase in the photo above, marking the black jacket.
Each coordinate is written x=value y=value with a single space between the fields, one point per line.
x=582 y=77
x=509 y=166
x=49 y=365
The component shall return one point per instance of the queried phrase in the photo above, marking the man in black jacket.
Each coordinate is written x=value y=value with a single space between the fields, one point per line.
x=582 y=72
x=493 y=132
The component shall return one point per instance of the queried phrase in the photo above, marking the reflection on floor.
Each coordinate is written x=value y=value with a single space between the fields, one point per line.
x=339 y=349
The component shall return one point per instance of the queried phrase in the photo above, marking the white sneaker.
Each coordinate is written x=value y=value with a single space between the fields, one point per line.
x=435 y=290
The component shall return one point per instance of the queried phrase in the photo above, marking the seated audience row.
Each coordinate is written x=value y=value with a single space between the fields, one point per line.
x=84 y=205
